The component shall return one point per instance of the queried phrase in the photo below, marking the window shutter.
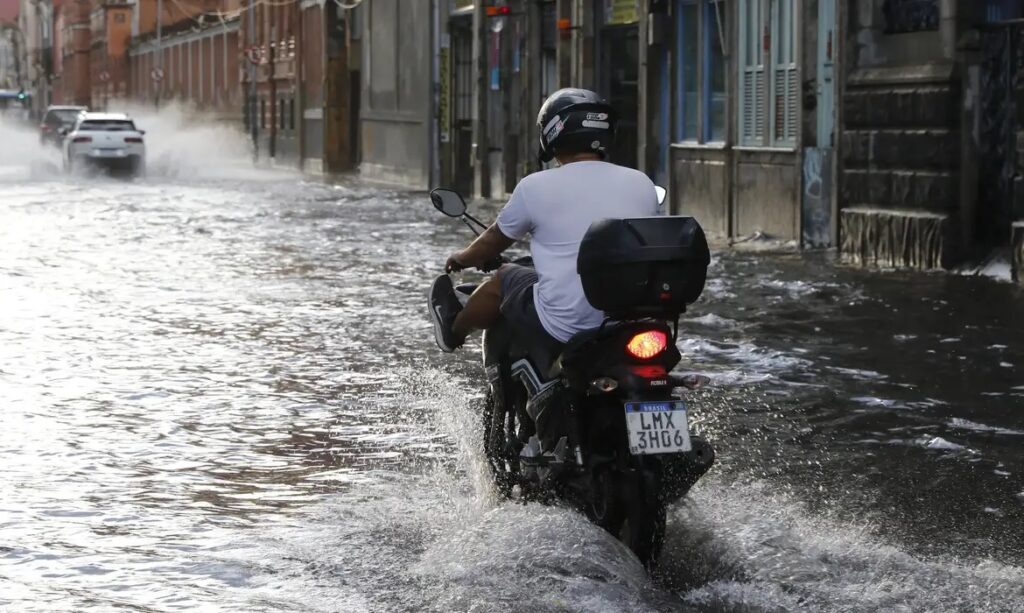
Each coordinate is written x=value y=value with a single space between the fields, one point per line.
x=752 y=74
x=785 y=85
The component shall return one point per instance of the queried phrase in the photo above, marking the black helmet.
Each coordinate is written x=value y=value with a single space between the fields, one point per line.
x=575 y=120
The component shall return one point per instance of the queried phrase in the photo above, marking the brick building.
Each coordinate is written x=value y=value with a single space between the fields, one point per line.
x=195 y=58
x=72 y=52
x=301 y=81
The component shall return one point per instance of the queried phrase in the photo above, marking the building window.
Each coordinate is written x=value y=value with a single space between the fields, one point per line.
x=768 y=80
x=910 y=15
x=701 y=98
x=291 y=114
x=280 y=113
x=1002 y=10
x=263 y=113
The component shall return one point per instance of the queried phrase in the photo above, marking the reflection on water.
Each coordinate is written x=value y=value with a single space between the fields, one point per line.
x=223 y=394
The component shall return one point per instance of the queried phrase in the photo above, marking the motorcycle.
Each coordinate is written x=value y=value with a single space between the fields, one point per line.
x=597 y=422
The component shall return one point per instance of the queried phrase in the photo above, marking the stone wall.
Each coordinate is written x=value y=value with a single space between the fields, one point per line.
x=900 y=139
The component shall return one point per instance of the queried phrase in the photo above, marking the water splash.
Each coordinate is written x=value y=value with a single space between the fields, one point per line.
x=184 y=142
x=894 y=239
x=22 y=155
x=744 y=546
x=181 y=143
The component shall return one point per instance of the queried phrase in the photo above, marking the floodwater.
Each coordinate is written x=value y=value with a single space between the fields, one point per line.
x=219 y=392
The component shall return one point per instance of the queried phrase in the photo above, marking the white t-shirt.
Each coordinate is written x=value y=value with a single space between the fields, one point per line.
x=556 y=207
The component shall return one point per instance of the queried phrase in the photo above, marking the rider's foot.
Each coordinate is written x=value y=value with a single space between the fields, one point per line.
x=444 y=306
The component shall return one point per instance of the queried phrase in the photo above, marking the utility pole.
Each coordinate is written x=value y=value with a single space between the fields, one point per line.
x=159 y=47
x=481 y=136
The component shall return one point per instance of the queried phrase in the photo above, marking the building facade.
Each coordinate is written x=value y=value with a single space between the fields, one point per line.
x=10 y=40
x=398 y=127
x=35 y=22
x=300 y=66
x=187 y=52
x=931 y=165
x=885 y=128
x=72 y=53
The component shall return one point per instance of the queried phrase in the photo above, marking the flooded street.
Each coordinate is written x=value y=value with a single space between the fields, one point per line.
x=220 y=392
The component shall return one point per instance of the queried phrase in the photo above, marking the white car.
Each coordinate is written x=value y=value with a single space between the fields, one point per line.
x=105 y=140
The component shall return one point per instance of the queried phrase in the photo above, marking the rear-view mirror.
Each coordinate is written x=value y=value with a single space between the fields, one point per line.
x=448 y=201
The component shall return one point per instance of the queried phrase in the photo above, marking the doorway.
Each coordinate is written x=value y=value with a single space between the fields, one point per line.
x=463 y=77
x=1001 y=96
x=618 y=81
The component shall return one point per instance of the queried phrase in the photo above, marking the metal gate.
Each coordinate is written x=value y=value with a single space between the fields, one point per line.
x=1001 y=129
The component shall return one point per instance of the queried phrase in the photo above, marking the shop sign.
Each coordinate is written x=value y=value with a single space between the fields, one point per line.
x=621 y=12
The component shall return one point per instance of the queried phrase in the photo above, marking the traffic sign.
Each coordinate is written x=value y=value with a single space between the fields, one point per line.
x=254 y=55
x=157 y=74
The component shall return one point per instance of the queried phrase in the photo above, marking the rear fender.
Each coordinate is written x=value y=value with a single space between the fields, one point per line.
x=604 y=354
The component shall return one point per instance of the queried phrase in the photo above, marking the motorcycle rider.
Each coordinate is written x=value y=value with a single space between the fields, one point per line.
x=555 y=207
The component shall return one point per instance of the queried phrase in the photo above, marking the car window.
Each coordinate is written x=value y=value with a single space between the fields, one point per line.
x=112 y=125
x=62 y=116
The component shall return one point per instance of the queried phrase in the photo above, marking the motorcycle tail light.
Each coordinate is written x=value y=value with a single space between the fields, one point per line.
x=82 y=139
x=646 y=345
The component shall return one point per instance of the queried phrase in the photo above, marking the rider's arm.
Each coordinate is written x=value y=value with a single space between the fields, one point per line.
x=485 y=248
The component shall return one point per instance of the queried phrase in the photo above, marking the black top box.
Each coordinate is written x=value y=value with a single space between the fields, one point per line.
x=643 y=267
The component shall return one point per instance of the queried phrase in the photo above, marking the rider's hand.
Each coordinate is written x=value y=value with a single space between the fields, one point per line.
x=454 y=263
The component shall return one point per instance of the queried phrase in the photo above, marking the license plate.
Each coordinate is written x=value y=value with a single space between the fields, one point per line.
x=657 y=427
x=110 y=153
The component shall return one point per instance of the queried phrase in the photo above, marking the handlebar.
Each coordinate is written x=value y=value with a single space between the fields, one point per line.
x=492 y=265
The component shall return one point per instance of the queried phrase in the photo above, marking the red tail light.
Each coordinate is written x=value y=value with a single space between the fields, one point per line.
x=44 y=127
x=646 y=345
x=132 y=139
x=82 y=139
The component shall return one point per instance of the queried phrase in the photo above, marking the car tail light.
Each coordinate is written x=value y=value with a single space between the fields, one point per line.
x=648 y=344
x=82 y=139
x=44 y=127
x=133 y=139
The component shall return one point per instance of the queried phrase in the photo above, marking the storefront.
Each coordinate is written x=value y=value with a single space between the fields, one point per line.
x=617 y=60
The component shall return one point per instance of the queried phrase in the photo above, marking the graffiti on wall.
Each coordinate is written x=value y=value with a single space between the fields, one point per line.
x=816 y=203
x=910 y=15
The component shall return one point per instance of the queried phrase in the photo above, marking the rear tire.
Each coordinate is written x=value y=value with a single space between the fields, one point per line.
x=636 y=523
x=645 y=535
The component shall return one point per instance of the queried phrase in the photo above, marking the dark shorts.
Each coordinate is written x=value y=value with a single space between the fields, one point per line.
x=517 y=305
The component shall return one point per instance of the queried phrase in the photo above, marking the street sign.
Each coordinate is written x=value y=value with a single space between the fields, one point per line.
x=157 y=74
x=104 y=76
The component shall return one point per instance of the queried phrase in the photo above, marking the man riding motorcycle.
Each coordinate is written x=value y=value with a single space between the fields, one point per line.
x=555 y=207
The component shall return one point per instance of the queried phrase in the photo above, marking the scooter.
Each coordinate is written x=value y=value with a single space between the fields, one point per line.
x=599 y=422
